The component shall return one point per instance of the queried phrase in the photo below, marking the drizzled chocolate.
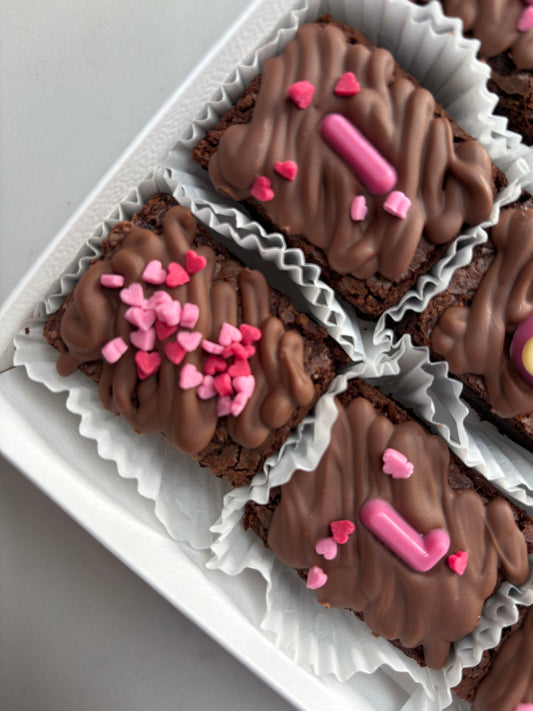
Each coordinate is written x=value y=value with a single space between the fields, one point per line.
x=448 y=183
x=95 y=314
x=495 y=24
x=476 y=338
x=431 y=609
x=510 y=679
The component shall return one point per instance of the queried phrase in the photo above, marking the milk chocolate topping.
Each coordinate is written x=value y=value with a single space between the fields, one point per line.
x=94 y=315
x=476 y=339
x=510 y=679
x=432 y=609
x=494 y=24
x=448 y=184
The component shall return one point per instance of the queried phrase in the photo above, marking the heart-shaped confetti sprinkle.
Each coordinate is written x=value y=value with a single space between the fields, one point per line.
x=301 y=93
x=316 y=578
x=238 y=368
x=327 y=547
x=177 y=276
x=175 y=352
x=347 y=85
x=143 y=340
x=288 y=169
x=206 y=390
x=132 y=295
x=239 y=351
x=139 y=317
x=114 y=349
x=244 y=384
x=190 y=340
x=190 y=377
x=359 y=208
x=525 y=22
x=214 y=364
x=396 y=464
x=112 y=281
x=154 y=273
x=229 y=334
x=250 y=334
x=397 y=204
x=238 y=404
x=190 y=313
x=223 y=385
x=458 y=562
x=147 y=363
x=262 y=189
x=194 y=262
x=213 y=348
x=223 y=406
x=342 y=530
x=158 y=298
x=163 y=330
x=169 y=312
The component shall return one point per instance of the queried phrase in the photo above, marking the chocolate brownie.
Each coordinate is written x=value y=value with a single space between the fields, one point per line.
x=335 y=146
x=474 y=323
x=394 y=527
x=505 y=31
x=184 y=340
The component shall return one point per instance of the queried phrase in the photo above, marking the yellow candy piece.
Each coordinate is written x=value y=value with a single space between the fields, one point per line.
x=527 y=355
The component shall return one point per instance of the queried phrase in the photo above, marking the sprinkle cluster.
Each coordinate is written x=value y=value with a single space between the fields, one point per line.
x=226 y=371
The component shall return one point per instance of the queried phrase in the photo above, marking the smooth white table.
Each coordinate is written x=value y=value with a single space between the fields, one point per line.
x=78 y=630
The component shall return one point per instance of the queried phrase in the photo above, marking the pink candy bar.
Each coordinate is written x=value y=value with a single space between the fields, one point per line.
x=421 y=552
x=371 y=169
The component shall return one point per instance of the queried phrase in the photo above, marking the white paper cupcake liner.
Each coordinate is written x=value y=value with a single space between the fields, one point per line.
x=334 y=641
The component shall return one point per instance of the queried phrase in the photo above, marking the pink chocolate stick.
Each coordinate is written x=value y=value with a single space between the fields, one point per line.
x=418 y=551
x=374 y=172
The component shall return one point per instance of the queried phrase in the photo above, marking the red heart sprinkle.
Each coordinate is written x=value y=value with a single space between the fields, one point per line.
x=250 y=334
x=238 y=368
x=347 y=85
x=262 y=189
x=147 y=363
x=175 y=352
x=163 y=331
x=458 y=562
x=223 y=385
x=177 y=276
x=214 y=364
x=301 y=92
x=288 y=169
x=194 y=262
x=239 y=351
x=341 y=530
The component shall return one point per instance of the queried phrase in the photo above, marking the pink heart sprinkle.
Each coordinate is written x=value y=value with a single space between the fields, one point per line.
x=238 y=404
x=301 y=93
x=194 y=262
x=525 y=22
x=316 y=578
x=190 y=377
x=143 y=340
x=154 y=273
x=112 y=281
x=342 y=530
x=288 y=169
x=189 y=340
x=114 y=349
x=190 y=313
x=244 y=384
x=213 y=348
x=239 y=351
x=396 y=464
x=214 y=364
x=458 y=562
x=262 y=189
x=169 y=312
x=327 y=547
x=223 y=406
x=347 y=85
x=139 y=317
x=228 y=334
x=163 y=330
x=132 y=295
x=397 y=204
x=223 y=385
x=175 y=352
x=358 y=209
x=157 y=299
x=177 y=276
x=523 y=707
x=147 y=363
x=207 y=388
x=239 y=367
x=250 y=334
